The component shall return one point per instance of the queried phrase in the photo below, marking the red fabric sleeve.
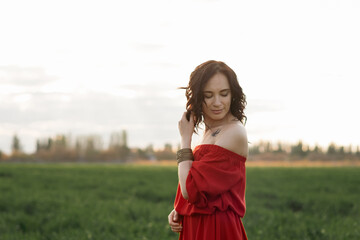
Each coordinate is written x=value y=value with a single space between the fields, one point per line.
x=212 y=174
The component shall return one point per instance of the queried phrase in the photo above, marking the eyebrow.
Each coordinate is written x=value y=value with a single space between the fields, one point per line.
x=224 y=90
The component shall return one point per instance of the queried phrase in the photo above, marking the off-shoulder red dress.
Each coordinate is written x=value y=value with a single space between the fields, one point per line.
x=216 y=190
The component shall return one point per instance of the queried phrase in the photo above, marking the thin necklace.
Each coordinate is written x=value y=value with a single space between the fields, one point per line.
x=216 y=132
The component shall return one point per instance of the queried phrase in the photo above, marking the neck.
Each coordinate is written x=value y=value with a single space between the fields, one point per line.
x=211 y=124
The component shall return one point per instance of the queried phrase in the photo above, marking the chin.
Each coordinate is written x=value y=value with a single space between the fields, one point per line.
x=217 y=117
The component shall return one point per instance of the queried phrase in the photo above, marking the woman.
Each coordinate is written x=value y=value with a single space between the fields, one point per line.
x=210 y=199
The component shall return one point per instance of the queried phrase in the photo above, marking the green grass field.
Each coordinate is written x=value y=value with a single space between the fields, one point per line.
x=69 y=201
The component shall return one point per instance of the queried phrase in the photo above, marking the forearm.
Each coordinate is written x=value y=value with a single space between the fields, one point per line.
x=183 y=172
x=183 y=168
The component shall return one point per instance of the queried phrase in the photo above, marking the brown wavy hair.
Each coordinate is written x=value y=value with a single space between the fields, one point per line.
x=198 y=79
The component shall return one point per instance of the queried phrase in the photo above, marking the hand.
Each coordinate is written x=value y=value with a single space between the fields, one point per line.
x=186 y=129
x=175 y=219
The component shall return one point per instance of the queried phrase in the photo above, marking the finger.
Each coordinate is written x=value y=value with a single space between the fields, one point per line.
x=174 y=224
x=175 y=216
x=170 y=217
x=176 y=229
x=192 y=116
x=184 y=116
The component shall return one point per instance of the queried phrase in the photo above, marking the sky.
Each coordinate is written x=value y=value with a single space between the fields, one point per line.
x=97 y=67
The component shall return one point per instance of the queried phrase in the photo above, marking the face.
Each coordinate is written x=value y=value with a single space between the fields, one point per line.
x=217 y=98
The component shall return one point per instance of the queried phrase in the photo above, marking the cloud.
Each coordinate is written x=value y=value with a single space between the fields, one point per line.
x=263 y=105
x=149 y=114
x=90 y=106
x=147 y=47
x=24 y=76
x=151 y=117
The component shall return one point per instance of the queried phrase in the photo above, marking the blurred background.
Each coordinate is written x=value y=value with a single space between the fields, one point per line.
x=96 y=81
x=94 y=69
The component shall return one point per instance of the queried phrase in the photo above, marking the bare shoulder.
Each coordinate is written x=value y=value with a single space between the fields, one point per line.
x=237 y=131
x=235 y=139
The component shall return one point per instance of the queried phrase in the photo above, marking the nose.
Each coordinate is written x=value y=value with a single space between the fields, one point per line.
x=217 y=101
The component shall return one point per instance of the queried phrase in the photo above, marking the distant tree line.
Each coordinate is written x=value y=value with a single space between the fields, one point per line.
x=61 y=148
x=266 y=150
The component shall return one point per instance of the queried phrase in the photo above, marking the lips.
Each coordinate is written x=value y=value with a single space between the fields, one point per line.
x=216 y=111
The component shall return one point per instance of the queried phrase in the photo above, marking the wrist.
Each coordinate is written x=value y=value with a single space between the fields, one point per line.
x=184 y=155
x=185 y=143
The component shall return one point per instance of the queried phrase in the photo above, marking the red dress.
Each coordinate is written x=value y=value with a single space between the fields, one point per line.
x=216 y=190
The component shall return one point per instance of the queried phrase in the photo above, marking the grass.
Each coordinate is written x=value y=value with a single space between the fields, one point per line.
x=303 y=203
x=69 y=201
